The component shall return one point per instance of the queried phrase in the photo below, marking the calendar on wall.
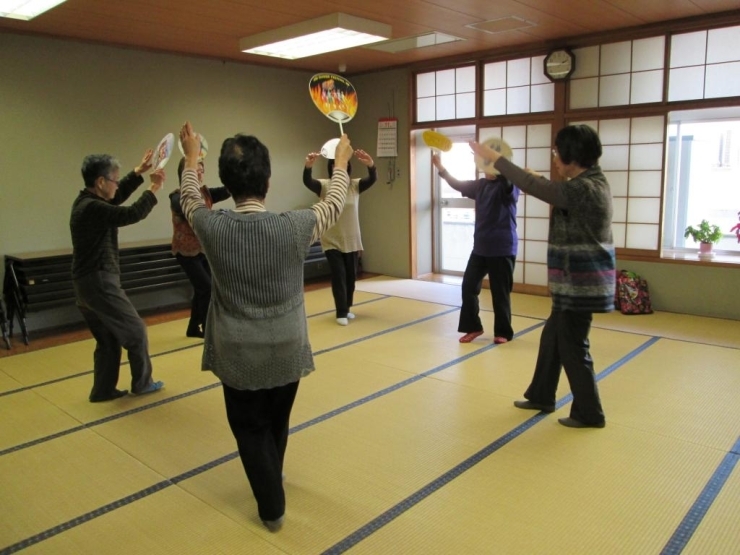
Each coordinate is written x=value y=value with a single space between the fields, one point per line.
x=387 y=138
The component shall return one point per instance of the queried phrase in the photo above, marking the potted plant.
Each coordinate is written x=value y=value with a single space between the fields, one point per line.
x=706 y=235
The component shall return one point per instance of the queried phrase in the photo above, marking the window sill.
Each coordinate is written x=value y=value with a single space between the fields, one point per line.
x=723 y=260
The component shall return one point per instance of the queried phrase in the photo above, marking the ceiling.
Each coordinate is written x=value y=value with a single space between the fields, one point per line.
x=212 y=28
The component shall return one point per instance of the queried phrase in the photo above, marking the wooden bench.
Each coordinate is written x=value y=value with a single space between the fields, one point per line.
x=39 y=280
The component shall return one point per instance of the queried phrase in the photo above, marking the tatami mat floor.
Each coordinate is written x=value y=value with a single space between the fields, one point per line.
x=402 y=441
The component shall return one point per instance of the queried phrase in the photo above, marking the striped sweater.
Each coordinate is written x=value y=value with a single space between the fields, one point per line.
x=580 y=250
x=256 y=330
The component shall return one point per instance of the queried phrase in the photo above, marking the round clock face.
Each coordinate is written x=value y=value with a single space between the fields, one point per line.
x=559 y=64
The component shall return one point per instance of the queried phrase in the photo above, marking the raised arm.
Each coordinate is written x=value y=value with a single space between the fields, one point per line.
x=312 y=184
x=190 y=197
x=464 y=187
x=372 y=172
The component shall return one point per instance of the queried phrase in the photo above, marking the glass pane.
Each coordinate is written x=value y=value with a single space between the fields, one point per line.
x=494 y=102
x=538 y=159
x=537 y=208
x=539 y=135
x=517 y=72
x=584 y=93
x=614 y=90
x=723 y=80
x=425 y=109
x=446 y=82
x=535 y=274
x=517 y=100
x=543 y=98
x=642 y=236
x=537 y=71
x=617 y=183
x=644 y=211
x=686 y=83
x=619 y=209
x=646 y=157
x=647 y=86
x=494 y=76
x=445 y=107
x=616 y=58
x=458 y=225
x=648 y=54
x=537 y=228
x=619 y=231
x=459 y=161
x=722 y=45
x=689 y=49
x=614 y=131
x=535 y=251
x=648 y=130
x=515 y=135
x=645 y=184
x=425 y=84
x=587 y=62
x=465 y=105
x=465 y=79
x=615 y=158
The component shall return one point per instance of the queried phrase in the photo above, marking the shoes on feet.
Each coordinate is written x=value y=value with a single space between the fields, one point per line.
x=274 y=525
x=569 y=422
x=350 y=316
x=151 y=388
x=342 y=321
x=529 y=405
x=117 y=394
x=500 y=340
x=468 y=337
x=195 y=333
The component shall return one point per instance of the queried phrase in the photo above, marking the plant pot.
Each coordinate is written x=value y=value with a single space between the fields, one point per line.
x=705 y=251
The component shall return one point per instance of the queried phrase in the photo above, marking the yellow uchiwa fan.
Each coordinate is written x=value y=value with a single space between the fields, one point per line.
x=500 y=146
x=436 y=140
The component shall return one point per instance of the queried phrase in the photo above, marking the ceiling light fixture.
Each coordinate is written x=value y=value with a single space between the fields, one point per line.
x=410 y=43
x=26 y=9
x=332 y=32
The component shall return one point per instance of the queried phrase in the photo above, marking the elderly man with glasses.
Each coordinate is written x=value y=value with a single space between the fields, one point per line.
x=96 y=216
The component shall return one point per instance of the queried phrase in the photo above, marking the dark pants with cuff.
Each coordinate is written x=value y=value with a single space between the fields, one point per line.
x=500 y=270
x=259 y=420
x=343 y=267
x=564 y=344
x=115 y=324
x=199 y=274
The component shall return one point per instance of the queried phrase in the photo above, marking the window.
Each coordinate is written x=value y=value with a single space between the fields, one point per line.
x=517 y=87
x=705 y=64
x=702 y=176
x=445 y=95
x=617 y=74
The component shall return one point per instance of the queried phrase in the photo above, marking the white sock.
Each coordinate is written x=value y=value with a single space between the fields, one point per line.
x=342 y=321
x=350 y=316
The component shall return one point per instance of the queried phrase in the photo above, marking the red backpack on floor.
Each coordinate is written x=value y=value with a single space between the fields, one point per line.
x=632 y=295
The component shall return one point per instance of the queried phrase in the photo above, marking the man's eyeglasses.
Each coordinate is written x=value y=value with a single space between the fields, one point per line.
x=111 y=180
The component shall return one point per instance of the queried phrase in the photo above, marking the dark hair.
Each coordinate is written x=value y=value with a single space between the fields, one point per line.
x=330 y=167
x=579 y=144
x=244 y=167
x=98 y=165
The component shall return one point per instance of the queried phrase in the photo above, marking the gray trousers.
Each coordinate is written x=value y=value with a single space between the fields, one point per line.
x=114 y=323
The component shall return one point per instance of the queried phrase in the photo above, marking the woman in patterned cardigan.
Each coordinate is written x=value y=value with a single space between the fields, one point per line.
x=580 y=267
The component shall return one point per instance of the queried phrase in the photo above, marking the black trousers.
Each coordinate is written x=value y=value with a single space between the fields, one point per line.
x=114 y=323
x=199 y=274
x=343 y=267
x=500 y=270
x=564 y=344
x=259 y=420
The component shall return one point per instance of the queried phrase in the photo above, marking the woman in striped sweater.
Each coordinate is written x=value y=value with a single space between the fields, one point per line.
x=256 y=336
x=580 y=267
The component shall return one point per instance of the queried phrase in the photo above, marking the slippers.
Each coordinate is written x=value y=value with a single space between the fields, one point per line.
x=151 y=388
x=500 y=340
x=468 y=337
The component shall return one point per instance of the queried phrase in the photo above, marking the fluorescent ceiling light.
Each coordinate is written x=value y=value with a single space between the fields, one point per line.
x=410 y=43
x=316 y=36
x=26 y=9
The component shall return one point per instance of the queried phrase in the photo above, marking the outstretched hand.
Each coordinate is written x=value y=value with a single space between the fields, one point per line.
x=364 y=157
x=190 y=142
x=311 y=158
x=146 y=163
x=343 y=153
x=157 y=178
x=485 y=152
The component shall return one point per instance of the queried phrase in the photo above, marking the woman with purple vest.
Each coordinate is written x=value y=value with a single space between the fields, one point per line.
x=495 y=245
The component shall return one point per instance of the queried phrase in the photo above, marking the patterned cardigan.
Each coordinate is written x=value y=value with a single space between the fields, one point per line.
x=580 y=250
